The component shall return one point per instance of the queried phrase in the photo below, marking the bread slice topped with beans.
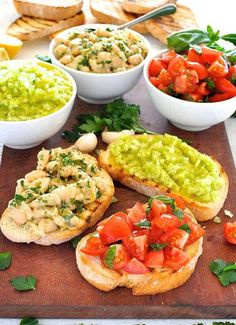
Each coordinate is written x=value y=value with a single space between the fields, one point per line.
x=150 y=248
x=66 y=194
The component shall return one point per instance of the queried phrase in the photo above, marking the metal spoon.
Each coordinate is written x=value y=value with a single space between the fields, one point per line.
x=161 y=11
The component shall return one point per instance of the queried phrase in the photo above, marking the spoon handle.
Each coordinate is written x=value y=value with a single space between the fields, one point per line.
x=161 y=11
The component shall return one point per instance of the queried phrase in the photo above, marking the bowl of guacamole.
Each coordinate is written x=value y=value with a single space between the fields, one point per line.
x=35 y=101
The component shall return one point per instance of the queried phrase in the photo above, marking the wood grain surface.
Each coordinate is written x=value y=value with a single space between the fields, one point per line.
x=62 y=292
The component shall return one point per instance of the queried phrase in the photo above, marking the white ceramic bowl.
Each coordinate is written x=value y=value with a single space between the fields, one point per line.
x=30 y=133
x=186 y=115
x=101 y=88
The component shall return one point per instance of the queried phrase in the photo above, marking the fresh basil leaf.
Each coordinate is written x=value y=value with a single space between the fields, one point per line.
x=75 y=241
x=210 y=83
x=231 y=56
x=23 y=283
x=214 y=36
x=145 y=224
x=178 y=213
x=5 y=260
x=110 y=256
x=229 y=38
x=181 y=41
x=217 y=266
x=186 y=228
x=44 y=58
x=29 y=321
x=157 y=247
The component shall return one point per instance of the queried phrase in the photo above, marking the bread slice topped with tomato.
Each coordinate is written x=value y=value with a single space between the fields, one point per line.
x=66 y=194
x=150 y=248
x=163 y=163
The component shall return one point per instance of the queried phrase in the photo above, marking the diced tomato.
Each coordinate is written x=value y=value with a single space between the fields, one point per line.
x=186 y=83
x=210 y=55
x=154 y=234
x=232 y=72
x=157 y=208
x=154 y=259
x=163 y=88
x=166 y=222
x=219 y=97
x=225 y=86
x=168 y=56
x=140 y=232
x=175 y=258
x=155 y=67
x=136 y=246
x=177 y=66
x=164 y=78
x=196 y=232
x=124 y=216
x=193 y=97
x=94 y=247
x=175 y=238
x=178 y=200
x=202 y=89
x=199 y=68
x=218 y=68
x=137 y=213
x=194 y=56
x=134 y=266
x=115 y=229
x=154 y=81
x=120 y=259
x=230 y=232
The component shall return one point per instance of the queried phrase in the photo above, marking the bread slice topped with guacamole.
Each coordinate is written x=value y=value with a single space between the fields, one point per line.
x=160 y=164
x=66 y=194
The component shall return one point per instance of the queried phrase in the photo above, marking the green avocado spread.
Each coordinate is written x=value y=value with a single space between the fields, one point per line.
x=166 y=160
x=30 y=90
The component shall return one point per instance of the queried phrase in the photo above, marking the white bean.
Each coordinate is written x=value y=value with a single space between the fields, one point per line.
x=87 y=142
x=110 y=136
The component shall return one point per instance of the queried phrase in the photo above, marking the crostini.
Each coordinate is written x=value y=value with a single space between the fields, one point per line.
x=151 y=248
x=65 y=195
x=160 y=164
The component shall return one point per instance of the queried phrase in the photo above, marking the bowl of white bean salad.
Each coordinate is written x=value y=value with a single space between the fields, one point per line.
x=105 y=62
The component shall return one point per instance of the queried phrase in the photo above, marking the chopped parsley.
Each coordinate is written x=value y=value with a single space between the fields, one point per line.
x=225 y=272
x=17 y=200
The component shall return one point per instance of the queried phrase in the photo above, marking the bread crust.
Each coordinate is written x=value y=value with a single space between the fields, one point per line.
x=19 y=233
x=48 y=11
x=141 y=7
x=201 y=211
x=157 y=281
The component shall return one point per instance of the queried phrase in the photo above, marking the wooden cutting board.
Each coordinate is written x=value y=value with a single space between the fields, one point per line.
x=62 y=292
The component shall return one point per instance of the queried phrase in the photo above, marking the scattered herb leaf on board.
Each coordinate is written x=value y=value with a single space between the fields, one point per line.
x=75 y=241
x=29 y=321
x=44 y=58
x=5 y=260
x=115 y=116
x=226 y=272
x=24 y=283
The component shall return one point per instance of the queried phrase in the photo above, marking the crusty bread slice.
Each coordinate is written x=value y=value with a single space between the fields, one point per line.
x=111 y=12
x=50 y=9
x=157 y=281
x=162 y=27
x=201 y=211
x=21 y=233
x=26 y=28
x=141 y=7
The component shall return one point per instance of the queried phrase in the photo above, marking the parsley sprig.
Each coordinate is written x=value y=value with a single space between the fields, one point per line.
x=115 y=116
x=225 y=272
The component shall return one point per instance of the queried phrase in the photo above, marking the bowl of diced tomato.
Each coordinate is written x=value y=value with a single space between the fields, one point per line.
x=194 y=90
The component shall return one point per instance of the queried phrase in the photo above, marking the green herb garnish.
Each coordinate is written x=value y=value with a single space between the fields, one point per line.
x=5 y=260
x=29 y=321
x=226 y=272
x=75 y=241
x=167 y=200
x=17 y=200
x=186 y=228
x=145 y=224
x=157 y=247
x=44 y=58
x=115 y=116
x=110 y=256
x=24 y=283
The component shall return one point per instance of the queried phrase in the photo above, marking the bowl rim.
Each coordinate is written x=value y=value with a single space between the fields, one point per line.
x=71 y=100
x=174 y=99
x=93 y=74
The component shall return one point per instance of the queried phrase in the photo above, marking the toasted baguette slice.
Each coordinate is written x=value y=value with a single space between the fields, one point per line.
x=162 y=27
x=26 y=28
x=50 y=9
x=141 y=7
x=30 y=231
x=111 y=12
x=157 y=281
x=201 y=211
